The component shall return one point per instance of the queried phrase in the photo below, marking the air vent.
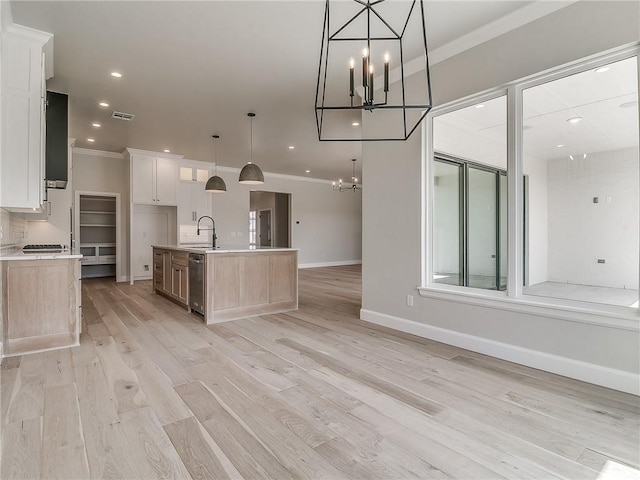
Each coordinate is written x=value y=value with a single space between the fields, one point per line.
x=122 y=116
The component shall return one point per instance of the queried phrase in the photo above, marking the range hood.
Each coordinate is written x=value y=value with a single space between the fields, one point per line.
x=56 y=145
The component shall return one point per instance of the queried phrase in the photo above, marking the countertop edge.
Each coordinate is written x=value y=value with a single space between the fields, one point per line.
x=224 y=250
x=20 y=256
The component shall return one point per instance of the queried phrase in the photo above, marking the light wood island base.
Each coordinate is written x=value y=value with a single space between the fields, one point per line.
x=242 y=285
x=237 y=283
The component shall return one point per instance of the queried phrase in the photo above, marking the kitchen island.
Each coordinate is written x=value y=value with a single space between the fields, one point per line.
x=236 y=282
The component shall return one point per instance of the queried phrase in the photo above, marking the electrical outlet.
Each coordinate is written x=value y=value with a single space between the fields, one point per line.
x=601 y=260
x=596 y=199
x=146 y=268
x=410 y=300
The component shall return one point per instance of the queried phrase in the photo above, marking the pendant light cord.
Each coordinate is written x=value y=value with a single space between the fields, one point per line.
x=251 y=142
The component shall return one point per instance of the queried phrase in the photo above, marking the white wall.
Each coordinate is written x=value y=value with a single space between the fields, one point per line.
x=395 y=169
x=538 y=224
x=152 y=225
x=581 y=232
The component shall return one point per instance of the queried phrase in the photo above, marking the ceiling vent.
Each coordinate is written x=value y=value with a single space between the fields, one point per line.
x=122 y=116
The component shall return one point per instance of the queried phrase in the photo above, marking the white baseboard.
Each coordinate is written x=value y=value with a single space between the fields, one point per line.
x=568 y=367
x=330 y=264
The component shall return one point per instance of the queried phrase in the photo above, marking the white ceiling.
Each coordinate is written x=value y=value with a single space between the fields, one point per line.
x=192 y=69
x=594 y=96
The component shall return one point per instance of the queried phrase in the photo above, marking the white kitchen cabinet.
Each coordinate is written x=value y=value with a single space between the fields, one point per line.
x=23 y=103
x=193 y=200
x=154 y=180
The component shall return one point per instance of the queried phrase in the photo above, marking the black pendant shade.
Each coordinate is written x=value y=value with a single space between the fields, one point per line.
x=215 y=184
x=251 y=173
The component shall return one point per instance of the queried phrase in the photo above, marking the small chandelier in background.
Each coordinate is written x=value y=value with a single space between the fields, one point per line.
x=353 y=186
x=216 y=184
x=385 y=33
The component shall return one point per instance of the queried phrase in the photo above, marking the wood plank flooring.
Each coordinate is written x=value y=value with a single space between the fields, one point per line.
x=151 y=392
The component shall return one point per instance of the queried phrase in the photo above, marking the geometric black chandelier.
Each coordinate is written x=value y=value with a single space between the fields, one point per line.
x=364 y=43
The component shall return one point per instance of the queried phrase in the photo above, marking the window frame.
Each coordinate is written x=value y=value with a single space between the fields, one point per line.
x=514 y=299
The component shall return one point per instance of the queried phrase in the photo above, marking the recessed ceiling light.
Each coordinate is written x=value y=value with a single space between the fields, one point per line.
x=574 y=120
x=307 y=171
x=103 y=104
x=116 y=74
x=166 y=150
x=97 y=125
x=560 y=145
x=480 y=105
x=602 y=69
x=629 y=104
x=355 y=124
x=291 y=147
x=90 y=140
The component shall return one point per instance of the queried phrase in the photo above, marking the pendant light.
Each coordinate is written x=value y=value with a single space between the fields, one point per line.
x=251 y=173
x=215 y=184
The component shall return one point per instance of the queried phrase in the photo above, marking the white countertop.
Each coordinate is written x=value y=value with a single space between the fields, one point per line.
x=225 y=249
x=20 y=255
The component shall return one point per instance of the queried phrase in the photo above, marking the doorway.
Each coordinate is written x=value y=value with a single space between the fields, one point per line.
x=264 y=228
x=269 y=219
x=97 y=219
x=470 y=220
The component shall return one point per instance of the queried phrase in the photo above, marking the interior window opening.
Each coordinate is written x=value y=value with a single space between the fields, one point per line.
x=580 y=153
x=470 y=197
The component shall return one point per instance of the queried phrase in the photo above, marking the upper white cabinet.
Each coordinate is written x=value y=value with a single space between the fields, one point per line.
x=23 y=104
x=154 y=180
x=193 y=200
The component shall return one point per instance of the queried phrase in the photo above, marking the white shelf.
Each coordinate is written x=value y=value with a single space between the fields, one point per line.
x=98 y=211
x=97 y=225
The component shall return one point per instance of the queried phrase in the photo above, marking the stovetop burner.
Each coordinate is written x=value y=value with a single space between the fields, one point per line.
x=42 y=247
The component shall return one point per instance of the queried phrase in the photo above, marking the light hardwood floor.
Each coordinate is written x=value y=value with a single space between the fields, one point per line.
x=315 y=393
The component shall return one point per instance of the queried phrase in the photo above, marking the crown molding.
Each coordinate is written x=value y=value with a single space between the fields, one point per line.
x=29 y=33
x=135 y=151
x=491 y=30
x=96 y=153
x=281 y=176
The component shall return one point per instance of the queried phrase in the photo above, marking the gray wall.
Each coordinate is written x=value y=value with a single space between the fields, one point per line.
x=392 y=222
x=325 y=225
x=329 y=229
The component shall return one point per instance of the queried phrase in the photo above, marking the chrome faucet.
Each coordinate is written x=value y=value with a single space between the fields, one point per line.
x=212 y=229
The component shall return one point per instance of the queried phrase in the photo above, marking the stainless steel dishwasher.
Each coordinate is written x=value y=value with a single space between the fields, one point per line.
x=197 y=271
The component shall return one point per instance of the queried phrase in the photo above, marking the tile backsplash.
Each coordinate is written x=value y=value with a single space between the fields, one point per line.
x=188 y=234
x=13 y=230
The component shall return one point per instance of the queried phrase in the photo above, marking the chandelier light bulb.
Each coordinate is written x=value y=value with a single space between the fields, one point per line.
x=386 y=57
x=352 y=63
x=365 y=52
